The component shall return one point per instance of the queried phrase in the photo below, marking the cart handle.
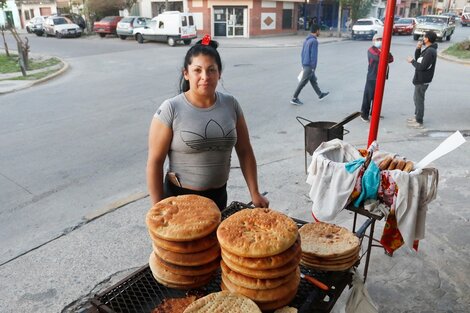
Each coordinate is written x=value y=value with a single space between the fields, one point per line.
x=299 y=118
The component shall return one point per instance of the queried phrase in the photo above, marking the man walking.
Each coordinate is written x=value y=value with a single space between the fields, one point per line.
x=424 y=63
x=373 y=56
x=309 y=64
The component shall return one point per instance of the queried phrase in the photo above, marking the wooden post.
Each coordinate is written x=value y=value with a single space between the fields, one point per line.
x=4 y=41
x=21 y=59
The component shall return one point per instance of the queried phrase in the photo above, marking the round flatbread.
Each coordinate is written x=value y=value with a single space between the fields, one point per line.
x=166 y=277
x=188 y=259
x=183 y=218
x=263 y=274
x=266 y=295
x=257 y=233
x=327 y=240
x=186 y=246
x=190 y=270
x=273 y=305
x=223 y=302
x=286 y=309
x=255 y=283
x=328 y=267
x=333 y=258
x=269 y=262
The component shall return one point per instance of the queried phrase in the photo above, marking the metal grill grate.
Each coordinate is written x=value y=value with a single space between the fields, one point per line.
x=141 y=293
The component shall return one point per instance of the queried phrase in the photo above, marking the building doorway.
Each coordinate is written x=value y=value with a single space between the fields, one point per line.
x=230 y=21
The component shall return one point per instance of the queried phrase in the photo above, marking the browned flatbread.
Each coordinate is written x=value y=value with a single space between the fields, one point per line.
x=385 y=163
x=266 y=295
x=330 y=262
x=327 y=240
x=400 y=165
x=344 y=257
x=286 y=309
x=257 y=233
x=408 y=167
x=183 y=218
x=326 y=267
x=188 y=259
x=166 y=277
x=186 y=246
x=174 y=305
x=223 y=302
x=269 y=306
x=270 y=262
x=255 y=283
x=263 y=274
x=273 y=305
x=393 y=164
x=190 y=270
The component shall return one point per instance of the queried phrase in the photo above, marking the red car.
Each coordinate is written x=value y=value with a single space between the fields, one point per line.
x=106 y=25
x=404 y=26
x=465 y=19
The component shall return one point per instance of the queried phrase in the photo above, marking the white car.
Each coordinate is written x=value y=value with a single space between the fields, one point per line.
x=35 y=24
x=60 y=27
x=125 y=27
x=367 y=28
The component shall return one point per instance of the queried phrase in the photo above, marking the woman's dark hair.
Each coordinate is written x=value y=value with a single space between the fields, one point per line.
x=197 y=49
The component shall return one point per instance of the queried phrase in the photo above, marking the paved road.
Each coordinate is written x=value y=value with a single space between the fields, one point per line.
x=76 y=146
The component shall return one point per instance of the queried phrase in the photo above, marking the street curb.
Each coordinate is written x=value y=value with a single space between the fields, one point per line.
x=64 y=68
x=447 y=57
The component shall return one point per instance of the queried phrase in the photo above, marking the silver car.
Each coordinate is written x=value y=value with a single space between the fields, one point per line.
x=125 y=27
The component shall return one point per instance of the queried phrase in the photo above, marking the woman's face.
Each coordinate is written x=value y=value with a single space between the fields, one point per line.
x=203 y=75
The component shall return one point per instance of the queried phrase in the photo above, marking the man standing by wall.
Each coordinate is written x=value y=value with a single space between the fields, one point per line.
x=309 y=64
x=424 y=63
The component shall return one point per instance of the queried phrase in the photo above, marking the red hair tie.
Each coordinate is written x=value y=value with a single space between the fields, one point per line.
x=206 y=40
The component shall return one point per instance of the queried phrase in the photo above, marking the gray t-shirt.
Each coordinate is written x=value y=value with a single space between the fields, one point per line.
x=203 y=139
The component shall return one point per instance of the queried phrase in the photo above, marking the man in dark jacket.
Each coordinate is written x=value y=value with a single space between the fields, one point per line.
x=309 y=64
x=424 y=63
x=373 y=56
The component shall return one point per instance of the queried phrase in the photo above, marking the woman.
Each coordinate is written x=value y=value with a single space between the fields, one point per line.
x=198 y=129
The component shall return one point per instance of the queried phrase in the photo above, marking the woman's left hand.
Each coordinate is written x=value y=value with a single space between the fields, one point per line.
x=260 y=201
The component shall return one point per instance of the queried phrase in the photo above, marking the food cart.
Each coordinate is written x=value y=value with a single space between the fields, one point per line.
x=140 y=292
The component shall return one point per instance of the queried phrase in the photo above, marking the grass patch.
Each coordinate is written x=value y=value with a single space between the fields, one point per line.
x=460 y=50
x=11 y=65
x=35 y=76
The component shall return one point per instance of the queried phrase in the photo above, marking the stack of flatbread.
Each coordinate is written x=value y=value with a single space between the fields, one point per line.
x=260 y=256
x=185 y=249
x=328 y=247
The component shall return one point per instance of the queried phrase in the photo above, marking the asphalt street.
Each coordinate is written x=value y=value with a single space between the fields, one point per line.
x=72 y=174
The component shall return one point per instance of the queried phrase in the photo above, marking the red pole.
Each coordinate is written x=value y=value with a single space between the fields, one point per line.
x=382 y=71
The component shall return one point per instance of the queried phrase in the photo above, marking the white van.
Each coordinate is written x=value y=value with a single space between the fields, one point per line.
x=170 y=26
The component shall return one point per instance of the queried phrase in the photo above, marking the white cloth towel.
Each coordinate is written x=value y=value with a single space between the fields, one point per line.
x=331 y=183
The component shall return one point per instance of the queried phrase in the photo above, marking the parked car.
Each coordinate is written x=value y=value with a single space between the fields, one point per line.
x=395 y=19
x=367 y=28
x=170 y=26
x=404 y=26
x=35 y=24
x=465 y=19
x=75 y=18
x=59 y=27
x=454 y=18
x=440 y=24
x=125 y=28
x=106 y=25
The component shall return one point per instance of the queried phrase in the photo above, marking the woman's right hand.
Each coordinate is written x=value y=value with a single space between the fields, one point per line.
x=260 y=201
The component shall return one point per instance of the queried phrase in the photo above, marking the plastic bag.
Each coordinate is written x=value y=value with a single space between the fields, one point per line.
x=359 y=300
